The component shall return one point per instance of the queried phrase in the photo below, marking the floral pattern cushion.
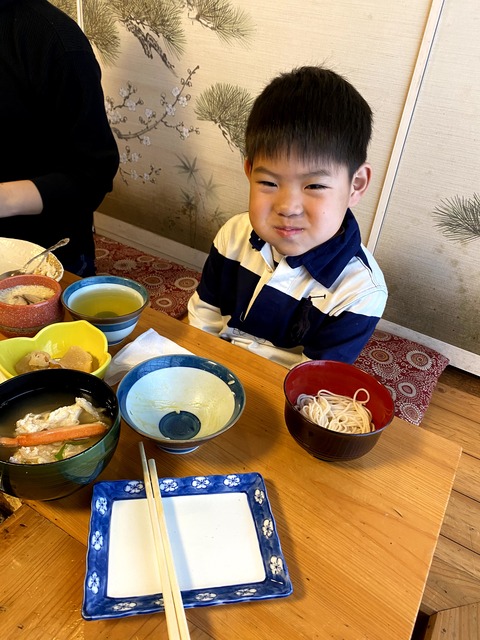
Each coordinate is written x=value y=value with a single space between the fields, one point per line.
x=170 y=285
x=409 y=370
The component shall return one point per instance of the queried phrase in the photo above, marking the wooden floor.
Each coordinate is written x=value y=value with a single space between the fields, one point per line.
x=453 y=587
x=461 y=380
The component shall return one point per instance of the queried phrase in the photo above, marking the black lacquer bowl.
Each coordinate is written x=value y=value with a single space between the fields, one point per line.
x=48 y=481
x=343 y=379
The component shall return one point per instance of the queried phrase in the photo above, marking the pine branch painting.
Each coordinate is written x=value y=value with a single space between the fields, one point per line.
x=458 y=218
x=227 y=106
x=100 y=26
x=158 y=26
x=228 y=22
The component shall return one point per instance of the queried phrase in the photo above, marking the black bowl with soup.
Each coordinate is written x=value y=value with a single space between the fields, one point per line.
x=44 y=478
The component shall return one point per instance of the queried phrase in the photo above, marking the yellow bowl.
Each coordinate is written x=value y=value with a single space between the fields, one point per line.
x=56 y=339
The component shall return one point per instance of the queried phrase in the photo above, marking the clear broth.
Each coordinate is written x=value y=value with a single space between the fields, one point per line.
x=37 y=403
x=106 y=302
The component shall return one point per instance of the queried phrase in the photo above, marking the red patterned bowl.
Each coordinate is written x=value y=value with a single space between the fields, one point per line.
x=343 y=379
x=26 y=320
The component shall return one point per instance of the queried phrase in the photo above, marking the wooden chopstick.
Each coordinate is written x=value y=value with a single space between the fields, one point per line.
x=172 y=598
x=172 y=574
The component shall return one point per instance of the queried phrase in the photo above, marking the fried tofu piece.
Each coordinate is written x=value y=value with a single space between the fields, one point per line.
x=77 y=358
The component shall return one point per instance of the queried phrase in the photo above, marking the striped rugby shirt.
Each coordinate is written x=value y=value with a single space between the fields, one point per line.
x=321 y=305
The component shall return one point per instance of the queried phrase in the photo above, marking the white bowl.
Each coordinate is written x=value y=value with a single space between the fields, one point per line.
x=180 y=401
x=15 y=253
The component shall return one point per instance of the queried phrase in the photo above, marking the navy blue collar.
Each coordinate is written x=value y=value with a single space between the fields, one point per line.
x=327 y=261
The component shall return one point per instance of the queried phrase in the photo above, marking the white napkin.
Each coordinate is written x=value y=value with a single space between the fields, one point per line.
x=148 y=345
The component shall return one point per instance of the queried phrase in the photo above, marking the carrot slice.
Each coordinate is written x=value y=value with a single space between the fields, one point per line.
x=49 y=436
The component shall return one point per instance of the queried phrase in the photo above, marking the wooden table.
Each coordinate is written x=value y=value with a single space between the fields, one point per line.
x=358 y=537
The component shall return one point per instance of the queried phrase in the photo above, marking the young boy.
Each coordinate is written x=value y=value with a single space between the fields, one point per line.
x=290 y=279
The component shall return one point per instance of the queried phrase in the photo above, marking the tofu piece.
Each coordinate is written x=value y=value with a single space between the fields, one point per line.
x=77 y=358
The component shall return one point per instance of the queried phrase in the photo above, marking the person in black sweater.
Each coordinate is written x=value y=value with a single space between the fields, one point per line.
x=58 y=155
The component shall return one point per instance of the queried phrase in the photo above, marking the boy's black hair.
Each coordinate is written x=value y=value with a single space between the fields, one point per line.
x=313 y=113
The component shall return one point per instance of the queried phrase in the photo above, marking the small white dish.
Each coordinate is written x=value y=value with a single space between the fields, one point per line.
x=223 y=536
x=15 y=253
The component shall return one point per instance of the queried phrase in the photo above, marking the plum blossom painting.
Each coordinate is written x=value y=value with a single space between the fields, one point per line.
x=155 y=110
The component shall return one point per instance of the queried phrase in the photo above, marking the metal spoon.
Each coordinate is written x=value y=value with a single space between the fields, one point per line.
x=16 y=272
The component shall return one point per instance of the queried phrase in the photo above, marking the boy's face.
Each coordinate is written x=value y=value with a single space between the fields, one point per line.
x=296 y=205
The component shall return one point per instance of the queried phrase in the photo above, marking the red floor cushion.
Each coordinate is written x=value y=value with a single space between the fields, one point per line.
x=169 y=284
x=409 y=370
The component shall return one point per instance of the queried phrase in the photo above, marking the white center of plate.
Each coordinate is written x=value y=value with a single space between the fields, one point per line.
x=213 y=538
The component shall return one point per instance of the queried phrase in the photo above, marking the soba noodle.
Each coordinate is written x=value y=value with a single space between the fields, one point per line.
x=336 y=412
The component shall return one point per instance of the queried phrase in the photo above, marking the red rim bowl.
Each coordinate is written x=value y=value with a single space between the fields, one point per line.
x=27 y=320
x=339 y=378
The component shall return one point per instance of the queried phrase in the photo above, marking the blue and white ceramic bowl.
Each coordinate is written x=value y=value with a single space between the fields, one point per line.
x=180 y=401
x=111 y=303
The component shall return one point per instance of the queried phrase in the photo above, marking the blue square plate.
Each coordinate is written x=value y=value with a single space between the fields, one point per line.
x=223 y=537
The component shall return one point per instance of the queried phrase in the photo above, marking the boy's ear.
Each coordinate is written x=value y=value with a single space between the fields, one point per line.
x=360 y=182
x=247 y=167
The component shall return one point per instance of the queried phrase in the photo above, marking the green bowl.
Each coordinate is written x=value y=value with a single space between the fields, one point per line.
x=52 y=480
